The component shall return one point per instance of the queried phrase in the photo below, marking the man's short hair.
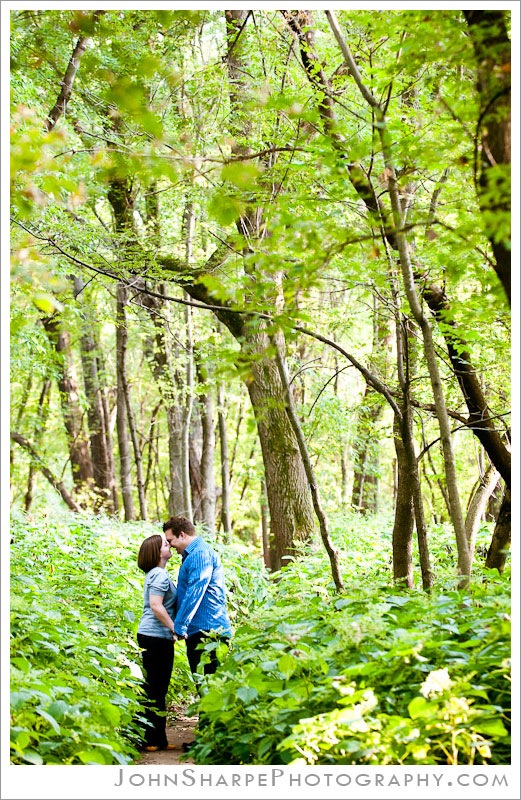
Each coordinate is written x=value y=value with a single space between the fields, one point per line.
x=178 y=525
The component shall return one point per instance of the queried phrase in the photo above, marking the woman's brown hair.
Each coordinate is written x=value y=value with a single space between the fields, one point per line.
x=150 y=552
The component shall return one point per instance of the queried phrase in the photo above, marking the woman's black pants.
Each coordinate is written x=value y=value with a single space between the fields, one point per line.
x=158 y=662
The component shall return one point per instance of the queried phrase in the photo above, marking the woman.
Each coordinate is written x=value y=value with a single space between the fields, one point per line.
x=155 y=637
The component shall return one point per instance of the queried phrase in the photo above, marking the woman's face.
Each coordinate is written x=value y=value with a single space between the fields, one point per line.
x=166 y=552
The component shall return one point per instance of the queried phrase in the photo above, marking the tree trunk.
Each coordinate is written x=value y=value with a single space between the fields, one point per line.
x=187 y=414
x=480 y=420
x=403 y=514
x=77 y=438
x=478 y=501
x=366 y=450
x=100 y=438
x=188 y=232
x=400 y=242
x=167 y=368
x=291 y=512
x=409 y=484
x=265 y=527
x=500 y=544
x=122 y=416
x=225 y=466
x=207 y=461
x=344 y=494
x=196 y=448
x=489 y=34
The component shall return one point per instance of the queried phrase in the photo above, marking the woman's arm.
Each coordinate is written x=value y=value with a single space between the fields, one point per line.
x=160 y=612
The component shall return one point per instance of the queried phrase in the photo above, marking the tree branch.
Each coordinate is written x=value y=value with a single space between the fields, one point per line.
x=57 y=484
x=66 y=87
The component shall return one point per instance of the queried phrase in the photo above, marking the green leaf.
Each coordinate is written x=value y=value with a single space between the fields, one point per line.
x=49 y=719
x=420 y=707
x=22 y=664
x=110 y=713
x=247 y=693
x=58 y=709
x=226 y=209
x=491 y=727
x=287 y=665
x=32 y=757
x=242 y=174
x=92 y=756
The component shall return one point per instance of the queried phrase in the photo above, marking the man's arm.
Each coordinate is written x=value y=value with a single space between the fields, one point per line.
x=200 y=569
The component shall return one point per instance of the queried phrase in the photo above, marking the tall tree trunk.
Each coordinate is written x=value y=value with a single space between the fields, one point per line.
x=265 y=527
x=100 y=438
x=403 y=514
x=225 y=465
x=405 y=361
x=344 y=493
x=489 y=34
x=291 y=512
x=125 y=460
x=77 y=438
x=207 y=461
x=188 y=232
x=169 y=369
x=196 y=448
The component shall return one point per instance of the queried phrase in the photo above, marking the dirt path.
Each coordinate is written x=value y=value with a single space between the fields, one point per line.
x=180 y=730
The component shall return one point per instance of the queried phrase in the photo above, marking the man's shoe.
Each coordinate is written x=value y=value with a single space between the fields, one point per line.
x=187 y=745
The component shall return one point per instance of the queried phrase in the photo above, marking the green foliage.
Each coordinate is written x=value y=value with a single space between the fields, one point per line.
x=371 y=677
x=76 y=599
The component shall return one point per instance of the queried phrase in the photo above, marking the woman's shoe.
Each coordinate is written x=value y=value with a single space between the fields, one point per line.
x=151 y=748
x=169 y=747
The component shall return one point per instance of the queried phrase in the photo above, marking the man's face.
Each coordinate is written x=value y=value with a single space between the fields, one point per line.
x=179 y=543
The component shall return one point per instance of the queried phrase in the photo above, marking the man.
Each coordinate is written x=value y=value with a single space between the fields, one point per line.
x=201 y=595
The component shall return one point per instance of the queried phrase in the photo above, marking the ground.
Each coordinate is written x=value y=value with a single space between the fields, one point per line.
x=179 y=729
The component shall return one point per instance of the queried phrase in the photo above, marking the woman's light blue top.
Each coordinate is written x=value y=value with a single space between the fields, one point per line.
x=158 y=582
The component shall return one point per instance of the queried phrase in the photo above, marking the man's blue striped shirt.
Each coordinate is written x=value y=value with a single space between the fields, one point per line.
x=201 y=593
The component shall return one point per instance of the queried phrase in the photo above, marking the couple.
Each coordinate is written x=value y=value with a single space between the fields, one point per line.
x=194 y=611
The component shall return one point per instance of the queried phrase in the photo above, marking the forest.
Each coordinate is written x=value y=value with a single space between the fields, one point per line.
x=261 y=277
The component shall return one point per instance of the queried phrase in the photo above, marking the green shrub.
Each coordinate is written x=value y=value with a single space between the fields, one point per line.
x=318 y=678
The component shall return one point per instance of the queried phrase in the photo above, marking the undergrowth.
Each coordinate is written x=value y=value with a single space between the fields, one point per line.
x=374 y=675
